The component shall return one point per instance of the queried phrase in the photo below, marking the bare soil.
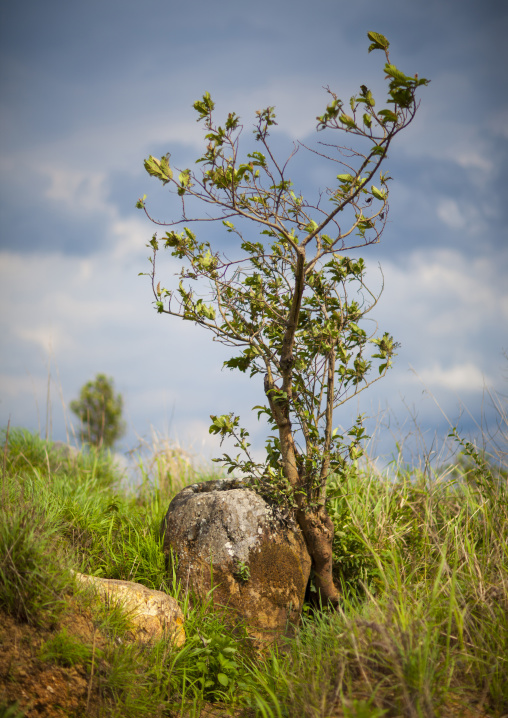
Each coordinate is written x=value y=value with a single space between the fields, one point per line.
x=45 y=690
x=42 y=690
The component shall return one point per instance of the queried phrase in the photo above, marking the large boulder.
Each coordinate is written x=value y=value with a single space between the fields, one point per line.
x=223 y=532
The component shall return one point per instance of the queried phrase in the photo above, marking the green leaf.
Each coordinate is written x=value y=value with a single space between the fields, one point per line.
x=152 y=166
x=345 y=178
x=402 y=97
x=184 y=178
x=347 y=120
x=204 y=107
x=379 y=42
x=232 y=121
x=159 y=168
x=223 y=679
x=397 y=75
x=377 y=193
x=224 y=424
x=164 y=167
x=388 y=116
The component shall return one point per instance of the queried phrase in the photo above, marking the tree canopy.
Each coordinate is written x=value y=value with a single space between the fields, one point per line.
x=99 y=410
x=291 y=299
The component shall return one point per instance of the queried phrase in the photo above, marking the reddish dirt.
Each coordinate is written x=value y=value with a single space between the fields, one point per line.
x=43 y=690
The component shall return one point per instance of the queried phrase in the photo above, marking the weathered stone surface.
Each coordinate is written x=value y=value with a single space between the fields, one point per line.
x=218 y=530
x=153 y=614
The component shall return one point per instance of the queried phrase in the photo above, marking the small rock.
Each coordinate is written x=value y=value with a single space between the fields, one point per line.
x=153 y=614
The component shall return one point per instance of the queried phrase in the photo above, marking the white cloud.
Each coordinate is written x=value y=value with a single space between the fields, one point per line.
x=130 y=237
x=499 y=123
x=471 y=158
x=95 y=315
x=297 y=101
x=446 y=294
x=460 y=377
x=465 y=217
x=448 y=212
x=47 y=337
x=79 y=192
x=448 y=311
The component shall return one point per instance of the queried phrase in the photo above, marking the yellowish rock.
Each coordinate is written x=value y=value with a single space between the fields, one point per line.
x=153 y=614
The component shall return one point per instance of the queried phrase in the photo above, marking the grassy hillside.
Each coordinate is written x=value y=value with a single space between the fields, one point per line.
x=422 y=558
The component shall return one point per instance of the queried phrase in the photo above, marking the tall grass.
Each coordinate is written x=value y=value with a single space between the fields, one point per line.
x=62 y=512
x=421 y=556
x=423 y=562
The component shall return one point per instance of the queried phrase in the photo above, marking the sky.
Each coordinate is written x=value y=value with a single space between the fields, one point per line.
x=90 y=89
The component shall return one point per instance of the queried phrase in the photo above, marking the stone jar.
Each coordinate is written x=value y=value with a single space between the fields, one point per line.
x=222 y=533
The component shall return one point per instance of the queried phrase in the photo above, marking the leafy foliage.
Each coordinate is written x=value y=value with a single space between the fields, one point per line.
x=292 y=302
x=100 y=412
x=220 y=672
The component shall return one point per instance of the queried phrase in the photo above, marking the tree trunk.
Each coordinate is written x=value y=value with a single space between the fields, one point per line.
x=317 y=528
x=316 y=525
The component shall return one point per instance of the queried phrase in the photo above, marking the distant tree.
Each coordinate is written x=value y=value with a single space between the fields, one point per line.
x=100 y=412
x=289 y=300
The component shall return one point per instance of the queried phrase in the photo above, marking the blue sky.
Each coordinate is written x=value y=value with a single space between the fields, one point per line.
x=90 y=89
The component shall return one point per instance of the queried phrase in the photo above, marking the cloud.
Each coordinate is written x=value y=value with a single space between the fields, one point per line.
x=76 y=191
x=465 y=217
x=449 y=213
x=63 y=305
x=46 y=337
x=449 y=294
x=460 y=378
x=446 y=130
x=14 y=386
x=498 y=123
x=76 y=133
x=95 y=314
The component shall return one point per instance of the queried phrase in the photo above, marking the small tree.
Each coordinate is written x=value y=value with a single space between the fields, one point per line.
x=100 y=412
x=290 y=302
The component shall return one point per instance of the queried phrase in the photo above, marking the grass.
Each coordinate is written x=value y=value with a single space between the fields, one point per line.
x=421 y=555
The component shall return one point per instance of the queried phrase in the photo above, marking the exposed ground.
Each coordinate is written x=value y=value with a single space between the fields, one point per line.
x=43 y=689
x=422 y=631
